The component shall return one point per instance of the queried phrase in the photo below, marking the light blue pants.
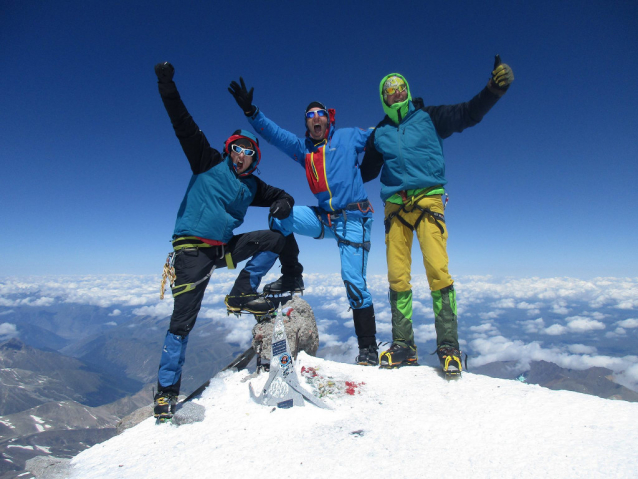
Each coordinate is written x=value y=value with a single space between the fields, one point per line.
x=350 y=235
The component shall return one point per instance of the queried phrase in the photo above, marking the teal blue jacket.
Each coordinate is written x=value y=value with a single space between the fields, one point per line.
x=215 y=203
x=216 y=199
x=410 y=154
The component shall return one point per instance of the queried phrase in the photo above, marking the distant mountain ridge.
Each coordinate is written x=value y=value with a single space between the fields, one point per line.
x=46 y=397
x=596 y=381
x=31 y=377
x=61 y=429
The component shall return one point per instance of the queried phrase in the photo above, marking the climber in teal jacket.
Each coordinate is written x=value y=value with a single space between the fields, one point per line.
x=407 y=147
x=221 y=189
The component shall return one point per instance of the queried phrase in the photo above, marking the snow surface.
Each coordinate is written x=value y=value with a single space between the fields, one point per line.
x=408 y=422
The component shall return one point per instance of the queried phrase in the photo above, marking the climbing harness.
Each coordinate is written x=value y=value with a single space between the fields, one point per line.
x=181 y=245
x=409 y=206
x=363 y=207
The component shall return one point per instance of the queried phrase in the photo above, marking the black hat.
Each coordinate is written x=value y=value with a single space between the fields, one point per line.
x=316 y=104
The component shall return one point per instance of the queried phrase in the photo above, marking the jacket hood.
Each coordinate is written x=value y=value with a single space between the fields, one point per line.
x=237 y=134
x=398 y=110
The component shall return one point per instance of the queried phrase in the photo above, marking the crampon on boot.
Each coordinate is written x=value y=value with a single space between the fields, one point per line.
x=398 y=356
x=285 y=284
x=368 y=356
x=450 y=359
x=164 y=406
x=249 y=303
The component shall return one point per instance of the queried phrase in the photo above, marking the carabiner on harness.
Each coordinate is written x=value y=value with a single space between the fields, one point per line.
x=168 y=273
x=191 y=286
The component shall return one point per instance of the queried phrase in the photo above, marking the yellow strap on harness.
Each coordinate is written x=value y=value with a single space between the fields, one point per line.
x=169 y=269
x=229 y=261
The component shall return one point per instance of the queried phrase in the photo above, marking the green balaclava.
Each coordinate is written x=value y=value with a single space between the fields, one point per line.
x=402 y=107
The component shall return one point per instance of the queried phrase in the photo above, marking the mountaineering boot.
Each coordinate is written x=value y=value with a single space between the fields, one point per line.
x=285 y=284
x=450 y=359
x=164 y=406
x=249 y=303
x=368 y=356
x=399 y=355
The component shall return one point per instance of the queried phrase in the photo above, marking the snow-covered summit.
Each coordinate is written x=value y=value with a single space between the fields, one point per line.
x=407 y=422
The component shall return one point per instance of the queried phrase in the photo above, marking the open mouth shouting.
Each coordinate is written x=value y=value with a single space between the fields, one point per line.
x=317 y=122
x=242 y=155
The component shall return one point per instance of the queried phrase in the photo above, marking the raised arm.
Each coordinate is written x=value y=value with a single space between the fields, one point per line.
x=198 y=151
x=450 y=119
x=284 y=140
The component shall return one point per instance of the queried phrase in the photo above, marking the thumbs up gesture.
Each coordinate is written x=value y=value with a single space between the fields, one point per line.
x=502 y=77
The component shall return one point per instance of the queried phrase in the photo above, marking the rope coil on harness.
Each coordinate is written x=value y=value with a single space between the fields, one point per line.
x=168 y=272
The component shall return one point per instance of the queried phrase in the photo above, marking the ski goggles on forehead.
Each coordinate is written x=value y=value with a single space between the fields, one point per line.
x=391 y=90
x=311 y=114
x=239 y=150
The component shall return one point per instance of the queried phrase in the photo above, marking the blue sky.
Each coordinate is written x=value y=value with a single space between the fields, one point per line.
x=92 y=175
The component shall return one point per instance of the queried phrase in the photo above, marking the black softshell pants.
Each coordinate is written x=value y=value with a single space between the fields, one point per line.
x=191 y=265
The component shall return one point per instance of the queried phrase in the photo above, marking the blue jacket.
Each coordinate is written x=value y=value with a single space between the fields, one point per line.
x=331 y=165
x=215 y=203
x=216 y=199
x=410 y=154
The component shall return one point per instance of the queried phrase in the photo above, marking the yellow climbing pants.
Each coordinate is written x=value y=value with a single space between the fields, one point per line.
x=432 y=241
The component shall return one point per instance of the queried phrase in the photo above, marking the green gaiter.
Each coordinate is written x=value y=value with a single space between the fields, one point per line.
x=401 y=306
x=445 y=321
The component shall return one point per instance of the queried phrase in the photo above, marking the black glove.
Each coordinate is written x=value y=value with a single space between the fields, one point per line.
x=281 y=209
x=243 y=97
x=502 y=75
x=164 y=72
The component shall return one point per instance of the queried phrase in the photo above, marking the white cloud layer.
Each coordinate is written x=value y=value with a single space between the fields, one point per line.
x=509 y=293
x=575 y=356
x=8 y=331
x=495 y=302
x=628 y=323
